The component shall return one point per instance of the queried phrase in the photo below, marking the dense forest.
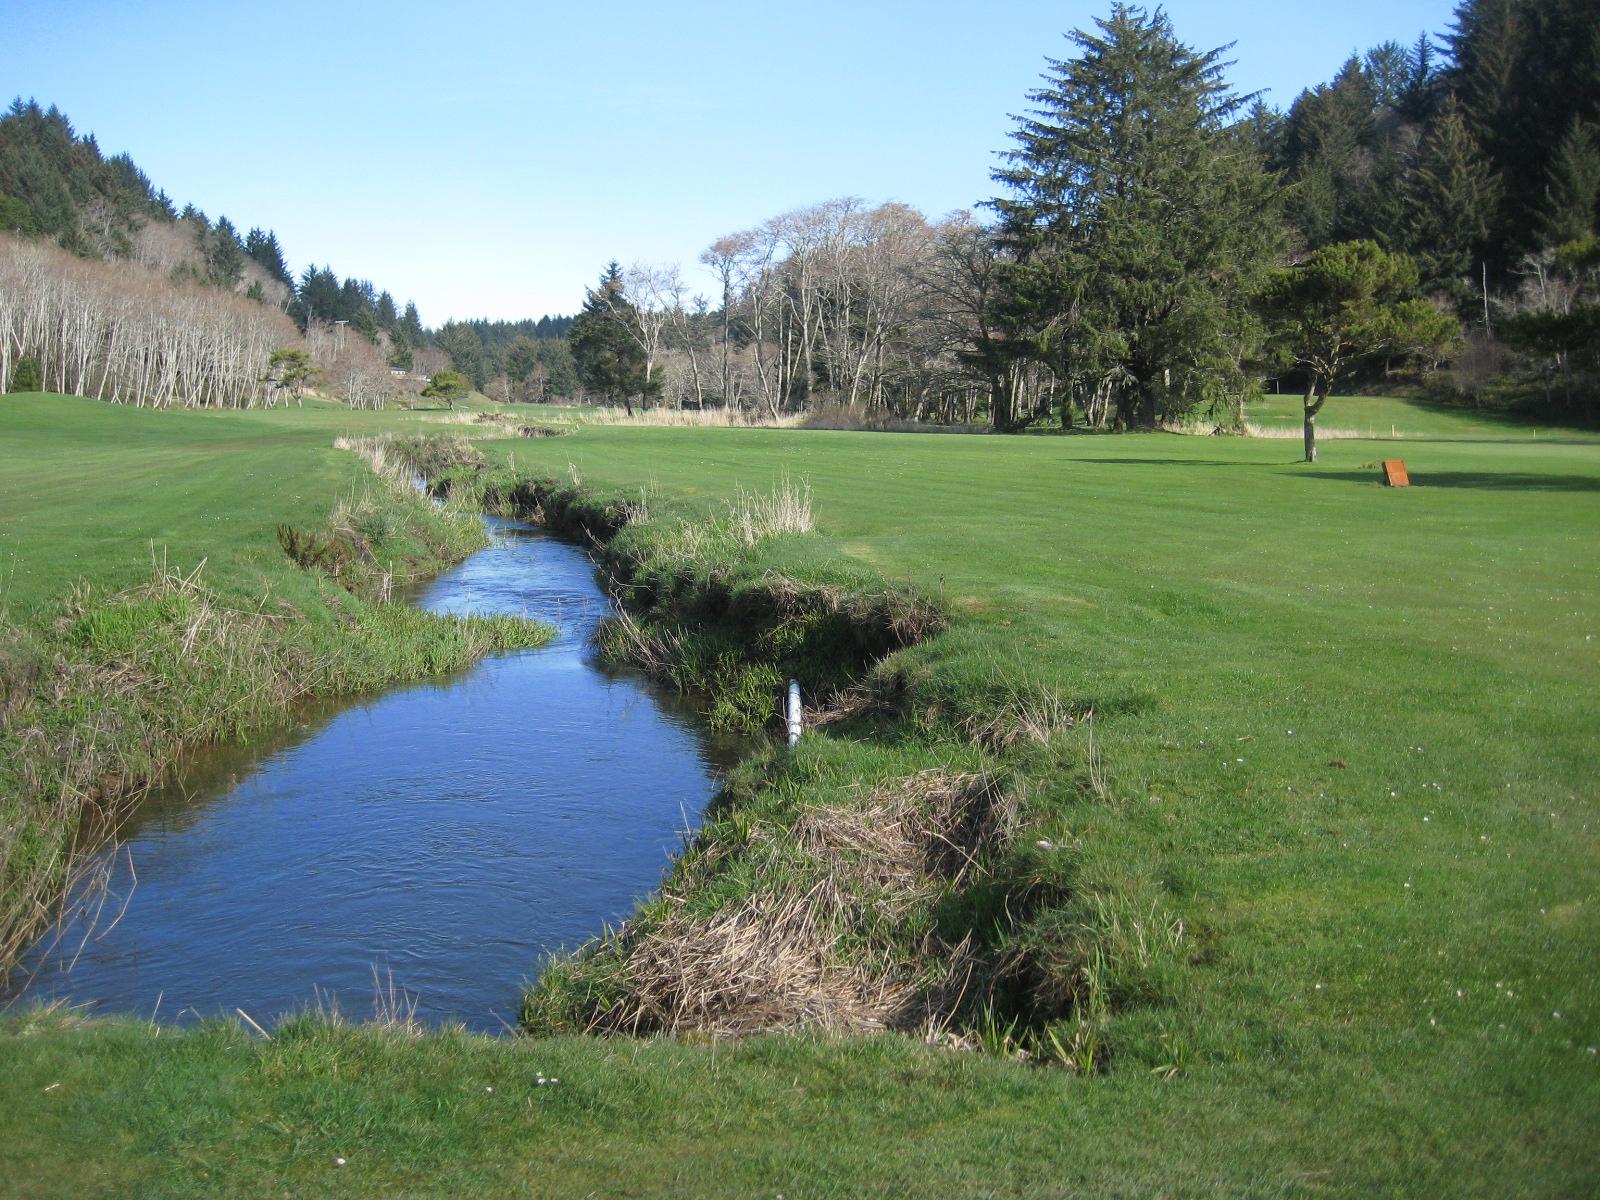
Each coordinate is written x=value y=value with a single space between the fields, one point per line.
x=1159 y=250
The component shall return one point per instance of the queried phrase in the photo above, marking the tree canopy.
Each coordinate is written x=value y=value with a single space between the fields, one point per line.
x=448 y=386
x=1137 y=220
x=1347 y=303
x=609 y=360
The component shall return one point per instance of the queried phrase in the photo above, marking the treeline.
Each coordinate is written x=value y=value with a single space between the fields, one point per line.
x=121 y=332
x=1161 y=246
x=1478 y=156
x=57 y=187
x=321 y=296
x=52 y=182
x=1468 y=152
x=526 y=360
x=838 y=303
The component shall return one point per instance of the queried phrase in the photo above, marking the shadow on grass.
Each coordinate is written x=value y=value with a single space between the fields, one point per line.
x=1499 y=481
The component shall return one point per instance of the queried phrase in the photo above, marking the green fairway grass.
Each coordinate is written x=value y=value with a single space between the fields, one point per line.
x=86 y=487
x=1392 y=418
x=1349 y=737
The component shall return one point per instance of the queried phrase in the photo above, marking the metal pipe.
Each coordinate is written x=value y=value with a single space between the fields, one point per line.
x=796 y=713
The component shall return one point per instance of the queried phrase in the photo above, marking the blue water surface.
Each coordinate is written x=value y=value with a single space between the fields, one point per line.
x=449 y=834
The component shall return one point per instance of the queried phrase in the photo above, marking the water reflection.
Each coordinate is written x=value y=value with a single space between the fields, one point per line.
x=454 y=831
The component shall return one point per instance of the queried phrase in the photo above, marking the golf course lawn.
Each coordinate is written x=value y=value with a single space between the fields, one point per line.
x=1348 y=734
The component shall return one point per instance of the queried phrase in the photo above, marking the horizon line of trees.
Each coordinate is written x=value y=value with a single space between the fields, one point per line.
x=58 y=187
x=1142 y=259
x=1147 y=258
x=123 y=333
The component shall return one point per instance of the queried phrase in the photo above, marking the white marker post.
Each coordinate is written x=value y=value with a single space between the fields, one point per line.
x=796 y=713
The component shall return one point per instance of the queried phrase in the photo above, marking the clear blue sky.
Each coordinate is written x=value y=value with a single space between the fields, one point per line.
x=487 y=157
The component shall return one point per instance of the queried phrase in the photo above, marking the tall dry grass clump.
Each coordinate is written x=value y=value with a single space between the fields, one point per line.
x=819 y=933
x=379 y=454
x=1013 y=710
x=752 y=517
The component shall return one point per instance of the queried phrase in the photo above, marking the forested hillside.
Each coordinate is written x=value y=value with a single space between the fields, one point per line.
x=59 y=192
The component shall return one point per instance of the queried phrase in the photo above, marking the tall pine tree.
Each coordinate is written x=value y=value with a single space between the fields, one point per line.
x=1137 y=218
x=1451 y=205
x=1328 y=132
x=261 y=246
x=1523 y=71
x=609 y=361
x=1572 y=198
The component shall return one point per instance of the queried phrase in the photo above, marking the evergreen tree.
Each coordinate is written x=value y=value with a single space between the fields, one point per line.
x=263 y=249
x=1523 y=71
x=1348 y=303
x=1388 y=69
x=521 y=358
x=409 y=327
x=25 y=375
x=610 y=364
x=1265 y=128
x=317 y=297
x=465 y=348
x=448 y=386
x=16 y=214
x=1451 y=205
x=224 y=254
x=1420 y=94
x=1327 y=135
x=1136 y=217
x=1381 y=209
x=1485 y=43
x=561 y=370
x=1572 y=198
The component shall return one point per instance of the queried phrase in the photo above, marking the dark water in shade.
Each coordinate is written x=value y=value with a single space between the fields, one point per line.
x=451 y=832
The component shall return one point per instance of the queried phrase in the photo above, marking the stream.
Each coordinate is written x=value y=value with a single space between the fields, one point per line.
x=448 y=835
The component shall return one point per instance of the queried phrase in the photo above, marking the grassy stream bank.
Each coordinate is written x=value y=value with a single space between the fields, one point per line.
x=103 y=692
x=890 y=875
x=1307 y=907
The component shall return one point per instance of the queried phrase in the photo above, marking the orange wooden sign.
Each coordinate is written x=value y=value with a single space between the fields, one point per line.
x=1394 y=472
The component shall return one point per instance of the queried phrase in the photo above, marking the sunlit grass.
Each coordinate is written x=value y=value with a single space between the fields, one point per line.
x=1332 y=829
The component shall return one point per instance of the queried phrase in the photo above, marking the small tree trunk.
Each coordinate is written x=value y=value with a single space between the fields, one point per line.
x=999 y=405
x=1311 y=407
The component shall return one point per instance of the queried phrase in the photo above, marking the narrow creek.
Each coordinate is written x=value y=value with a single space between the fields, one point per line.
x=451 y=833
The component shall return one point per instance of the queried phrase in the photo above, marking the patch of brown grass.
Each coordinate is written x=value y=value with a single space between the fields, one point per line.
x=810 y=944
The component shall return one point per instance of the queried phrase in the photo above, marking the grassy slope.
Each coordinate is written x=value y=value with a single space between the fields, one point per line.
x=86 y=487
x=1384 y=944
